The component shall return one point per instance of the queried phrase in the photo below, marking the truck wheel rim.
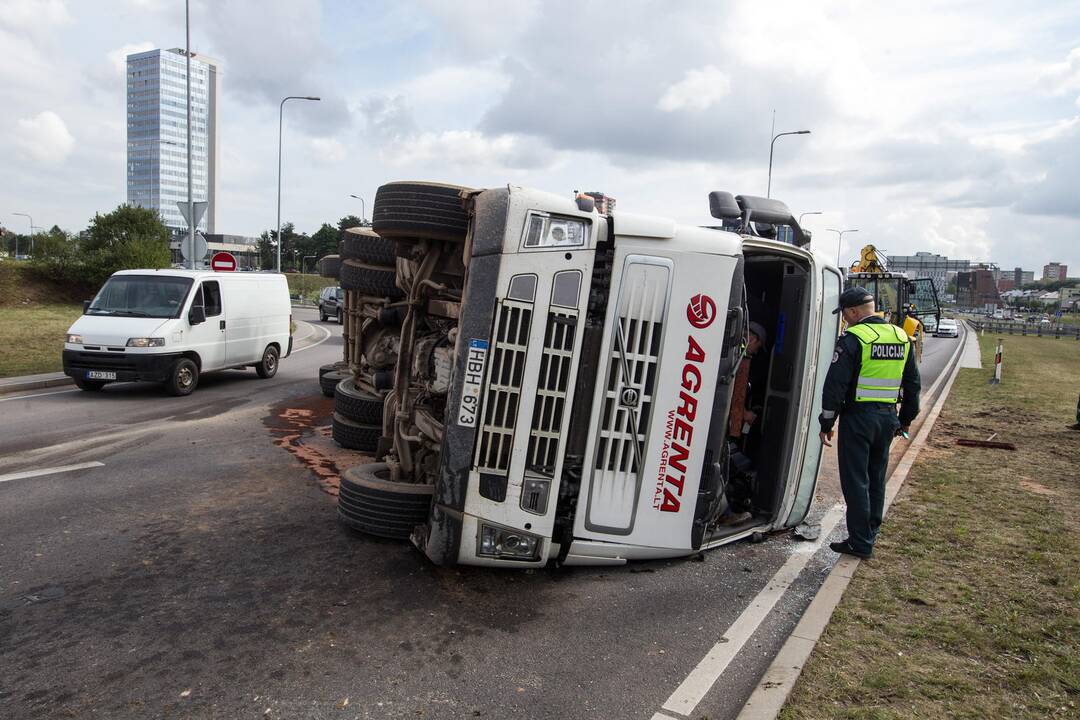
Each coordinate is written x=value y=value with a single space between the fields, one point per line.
x=184 y=378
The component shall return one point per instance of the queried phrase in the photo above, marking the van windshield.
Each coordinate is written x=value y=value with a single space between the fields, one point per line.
x=156 y=296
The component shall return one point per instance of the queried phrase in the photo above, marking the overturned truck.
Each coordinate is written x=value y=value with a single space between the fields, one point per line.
x=541 y=382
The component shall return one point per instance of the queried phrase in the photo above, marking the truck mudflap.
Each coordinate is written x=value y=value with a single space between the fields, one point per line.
x=440 y=539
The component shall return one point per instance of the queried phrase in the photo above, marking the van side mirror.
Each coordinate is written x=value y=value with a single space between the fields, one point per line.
x=86 y=305
x=196 y=315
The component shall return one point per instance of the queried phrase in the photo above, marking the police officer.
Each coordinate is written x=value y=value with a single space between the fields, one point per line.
x=872 y=369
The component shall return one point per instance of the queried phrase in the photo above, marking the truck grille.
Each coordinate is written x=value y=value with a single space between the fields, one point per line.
x=503 y=392
x=551 y=389
x=627 y=398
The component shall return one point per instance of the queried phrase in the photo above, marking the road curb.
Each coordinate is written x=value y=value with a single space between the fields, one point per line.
x=19 y=384
x=775 y=686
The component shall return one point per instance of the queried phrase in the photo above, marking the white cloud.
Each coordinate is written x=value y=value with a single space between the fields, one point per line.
x=118 y=58
x=1063 y=77
x=469 y=148
x=698 y=90
x=44 y=138
x=33 y=14
x=328 y=150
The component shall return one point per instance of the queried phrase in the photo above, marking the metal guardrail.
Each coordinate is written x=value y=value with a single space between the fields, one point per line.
x=1033 y=329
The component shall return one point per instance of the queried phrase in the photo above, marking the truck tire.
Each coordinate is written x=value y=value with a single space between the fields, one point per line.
x=355 y=436
x=328 y=381
x=369 y=502
x=357 y=405
x=267 y=367
x=330 y=265
x=364 y=245
x=369 y=280
x=420 y=210
x=183 y=378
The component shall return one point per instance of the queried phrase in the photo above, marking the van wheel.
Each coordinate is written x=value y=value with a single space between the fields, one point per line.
x=89 y=385
x=369 y=502
x=267 y=367
x=420 y=210
x=183 y=378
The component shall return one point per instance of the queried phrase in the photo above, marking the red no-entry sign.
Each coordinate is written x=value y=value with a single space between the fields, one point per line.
x=223 y=262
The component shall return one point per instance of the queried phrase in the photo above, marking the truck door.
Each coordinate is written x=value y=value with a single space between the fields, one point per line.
x=828 y=329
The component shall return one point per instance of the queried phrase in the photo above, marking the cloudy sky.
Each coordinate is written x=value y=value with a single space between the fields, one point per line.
x=951 y=127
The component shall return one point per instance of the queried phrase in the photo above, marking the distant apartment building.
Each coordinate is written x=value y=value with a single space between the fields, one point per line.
x=939 y=268
x=1055 y=272
x=1004 y=284
x=976 y=288
x=157 y=134
x=1021 y=277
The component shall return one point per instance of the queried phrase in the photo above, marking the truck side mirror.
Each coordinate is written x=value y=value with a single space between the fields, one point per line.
x=86 y=305
x=196 y=315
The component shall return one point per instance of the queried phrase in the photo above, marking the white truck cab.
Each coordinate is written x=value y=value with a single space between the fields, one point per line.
x=583 y=413
x=170 y=326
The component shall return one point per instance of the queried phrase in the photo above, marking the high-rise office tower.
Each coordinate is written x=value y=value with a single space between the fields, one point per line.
x=157 y=134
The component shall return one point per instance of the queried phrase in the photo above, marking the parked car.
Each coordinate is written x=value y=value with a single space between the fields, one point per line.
x=171 y=326
x=332 y=304
x=947 y=328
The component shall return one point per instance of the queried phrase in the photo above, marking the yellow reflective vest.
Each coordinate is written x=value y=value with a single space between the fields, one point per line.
x=885 y=351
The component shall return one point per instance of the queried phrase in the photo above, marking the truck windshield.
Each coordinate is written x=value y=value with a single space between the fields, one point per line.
x=156 y=296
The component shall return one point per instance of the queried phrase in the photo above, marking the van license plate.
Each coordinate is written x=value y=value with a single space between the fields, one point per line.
x=100 y=375
x=469 y=414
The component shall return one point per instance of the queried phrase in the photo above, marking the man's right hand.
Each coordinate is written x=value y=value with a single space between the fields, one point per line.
x=826 y=437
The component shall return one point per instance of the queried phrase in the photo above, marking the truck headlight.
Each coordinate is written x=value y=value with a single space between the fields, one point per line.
x=74 y=339
x=507 y=544
x=146 y=342
x=546 y=231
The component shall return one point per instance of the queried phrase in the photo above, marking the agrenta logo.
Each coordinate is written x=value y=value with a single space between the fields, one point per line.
x=701 y=311
x=679 y=433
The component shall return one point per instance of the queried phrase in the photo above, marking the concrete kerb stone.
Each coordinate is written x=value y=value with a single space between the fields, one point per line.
x=33 y=382
x=775 y=686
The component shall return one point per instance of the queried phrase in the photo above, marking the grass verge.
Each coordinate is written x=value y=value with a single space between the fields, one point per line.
x=308 y=285
x=971 y=605
x=33 y=337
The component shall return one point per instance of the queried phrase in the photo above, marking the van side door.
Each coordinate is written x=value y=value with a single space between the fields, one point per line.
x=208 y=338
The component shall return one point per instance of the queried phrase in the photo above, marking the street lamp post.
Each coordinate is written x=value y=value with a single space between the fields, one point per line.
x=839 y=238
x=801 y=215
x=768 y=190
x=281 y=115
x=363 y=212
x=25 y=215
x=190 y=196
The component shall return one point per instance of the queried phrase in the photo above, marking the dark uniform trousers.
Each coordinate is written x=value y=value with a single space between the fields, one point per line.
x=866 y=433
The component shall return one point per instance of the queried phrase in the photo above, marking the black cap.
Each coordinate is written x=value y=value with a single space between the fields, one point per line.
x=854 y=297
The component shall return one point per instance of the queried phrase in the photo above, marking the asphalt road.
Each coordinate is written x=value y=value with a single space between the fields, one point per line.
x=198 y=571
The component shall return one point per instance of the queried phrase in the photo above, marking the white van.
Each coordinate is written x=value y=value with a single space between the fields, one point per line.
x=170 y=326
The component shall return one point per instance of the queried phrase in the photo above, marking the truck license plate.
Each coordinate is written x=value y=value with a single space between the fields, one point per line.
x=100 y=375
x=469 y=414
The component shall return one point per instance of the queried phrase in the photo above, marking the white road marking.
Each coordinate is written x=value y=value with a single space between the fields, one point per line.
x=27 y=397
x=701 y=679
x=50 y=471
x=316 y=344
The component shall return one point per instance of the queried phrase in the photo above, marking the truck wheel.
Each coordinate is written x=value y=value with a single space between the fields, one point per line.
x=366 y=246
x=329 y=380
x=369 y=280
x=89 y=385
x=329 y=265
x=357 y=405
x=420 y=210
x=355 y=436
x=183 y=378
x=369 y=502
x=267 y=367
